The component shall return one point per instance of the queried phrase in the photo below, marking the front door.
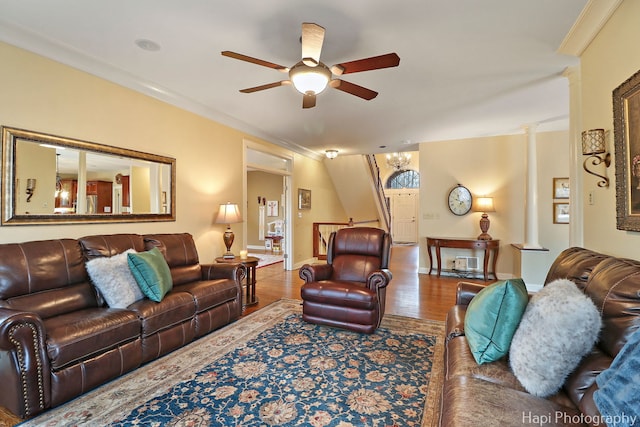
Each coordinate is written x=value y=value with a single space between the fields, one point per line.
x=403 y=213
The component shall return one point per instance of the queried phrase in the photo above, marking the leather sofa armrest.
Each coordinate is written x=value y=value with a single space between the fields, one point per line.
x=22 y=334
x=223 y=271
x=379 y=279
x=314 y=272
x=466 y=291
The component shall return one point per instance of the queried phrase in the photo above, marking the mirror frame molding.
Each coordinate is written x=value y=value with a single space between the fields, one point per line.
x=9 y=139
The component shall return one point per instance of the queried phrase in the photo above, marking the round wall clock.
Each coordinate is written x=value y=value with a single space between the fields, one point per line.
x=459 y=200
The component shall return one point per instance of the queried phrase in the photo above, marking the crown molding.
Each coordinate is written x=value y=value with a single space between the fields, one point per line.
x=593 y=17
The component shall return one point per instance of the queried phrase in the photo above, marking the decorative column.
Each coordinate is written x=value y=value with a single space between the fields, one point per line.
x=531 y=203
x=576 y=198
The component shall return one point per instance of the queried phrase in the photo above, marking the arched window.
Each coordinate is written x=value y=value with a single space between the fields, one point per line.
x=403 y=179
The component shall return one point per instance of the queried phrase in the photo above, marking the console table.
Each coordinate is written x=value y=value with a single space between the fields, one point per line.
x=250 y=263
x=487 y=246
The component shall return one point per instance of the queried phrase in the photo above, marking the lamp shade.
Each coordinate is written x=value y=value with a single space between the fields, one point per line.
x=228 y=214
x=593 y=142
x=484 y=204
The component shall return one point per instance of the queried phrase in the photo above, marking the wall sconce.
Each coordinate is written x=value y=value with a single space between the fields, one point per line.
x=228 y=214
x=484 y=205
x=593 y=145
x=331 y=154
x=31 y=188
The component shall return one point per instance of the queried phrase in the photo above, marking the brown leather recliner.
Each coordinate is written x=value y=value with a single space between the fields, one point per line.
x=349 y=290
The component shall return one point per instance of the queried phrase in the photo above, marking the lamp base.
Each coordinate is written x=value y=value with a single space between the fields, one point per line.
x=484 y=227
x=228 y=241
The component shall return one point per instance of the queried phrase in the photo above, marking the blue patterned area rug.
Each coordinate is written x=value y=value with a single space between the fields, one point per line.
x=272 y=369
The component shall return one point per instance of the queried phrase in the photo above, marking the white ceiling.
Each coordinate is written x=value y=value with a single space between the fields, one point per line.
x=468 y=68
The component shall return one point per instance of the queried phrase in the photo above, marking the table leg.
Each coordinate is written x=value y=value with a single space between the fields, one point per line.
x=495 y=260
x=438 y=259
x=252 y=299
x=485 y=263
x=430 y=258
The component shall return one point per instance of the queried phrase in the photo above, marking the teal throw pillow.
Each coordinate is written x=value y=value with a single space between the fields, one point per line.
x=492 y=318
x=151 y=272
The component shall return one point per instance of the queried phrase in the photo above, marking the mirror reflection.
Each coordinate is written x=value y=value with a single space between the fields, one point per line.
x=58 y=179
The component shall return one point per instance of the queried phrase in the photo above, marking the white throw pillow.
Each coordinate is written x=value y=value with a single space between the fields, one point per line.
x=560 y=326
x=113 y=278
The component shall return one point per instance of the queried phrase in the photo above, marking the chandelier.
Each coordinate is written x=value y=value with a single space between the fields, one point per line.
x=398 y=161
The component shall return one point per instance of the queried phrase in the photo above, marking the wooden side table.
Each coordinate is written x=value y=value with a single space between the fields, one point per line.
x=487 y=246
x=250 y=263
x=276 y=246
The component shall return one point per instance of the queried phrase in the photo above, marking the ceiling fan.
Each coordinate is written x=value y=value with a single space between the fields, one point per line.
x=310 y=76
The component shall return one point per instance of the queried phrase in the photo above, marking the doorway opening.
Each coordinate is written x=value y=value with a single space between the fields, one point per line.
x=267 y=200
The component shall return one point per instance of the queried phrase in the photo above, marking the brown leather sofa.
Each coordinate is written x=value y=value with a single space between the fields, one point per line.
x=58 y=338
x=349 y=291
x=490 y=395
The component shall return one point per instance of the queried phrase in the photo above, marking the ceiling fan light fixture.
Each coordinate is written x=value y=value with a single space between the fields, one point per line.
x=310 y=80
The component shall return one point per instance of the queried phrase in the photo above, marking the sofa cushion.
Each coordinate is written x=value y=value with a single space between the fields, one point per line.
x=210 y=293
x=85 y=333
x=113 y=278
x=151 y=272
x=174 y=309
x=340 y=293
x=492 y=318
x=558 y=328
x=474 y=402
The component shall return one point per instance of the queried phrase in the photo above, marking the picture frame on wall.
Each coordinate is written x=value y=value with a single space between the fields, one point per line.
x=561 y=213
x=272 y=208
x=561 y=188
x=626 y=123
x=304 y=198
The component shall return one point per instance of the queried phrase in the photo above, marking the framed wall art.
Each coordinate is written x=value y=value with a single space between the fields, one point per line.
x=561 y=189
x=304 y=199
x=561 y=213
x=272 y=208
x=626 y=127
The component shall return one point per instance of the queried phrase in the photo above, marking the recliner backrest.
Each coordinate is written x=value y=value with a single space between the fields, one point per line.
x=46 y=277
x=356 y=252
x=179 y=249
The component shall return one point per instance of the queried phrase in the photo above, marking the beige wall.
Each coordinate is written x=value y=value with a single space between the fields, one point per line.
x=45 y=96
x=325 y=204
x=611 y=58
x=493 y=166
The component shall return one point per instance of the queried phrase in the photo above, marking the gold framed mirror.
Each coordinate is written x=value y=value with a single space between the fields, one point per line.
x=51 y=179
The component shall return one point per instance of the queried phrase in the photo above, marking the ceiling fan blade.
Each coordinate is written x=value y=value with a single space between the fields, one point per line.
x=308 y=101
x=246 y=58
x=312 y=39
x=353 y=89
x=373 y=63
x=267 y=86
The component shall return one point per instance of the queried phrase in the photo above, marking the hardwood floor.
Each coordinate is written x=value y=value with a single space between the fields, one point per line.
x=409 y=293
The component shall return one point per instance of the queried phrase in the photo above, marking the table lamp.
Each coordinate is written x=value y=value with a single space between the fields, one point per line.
x=228 y=214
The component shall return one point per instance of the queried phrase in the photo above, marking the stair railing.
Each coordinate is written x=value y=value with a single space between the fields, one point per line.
x=381 y=198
